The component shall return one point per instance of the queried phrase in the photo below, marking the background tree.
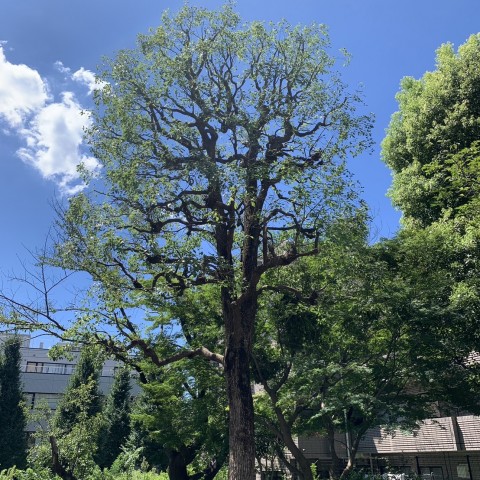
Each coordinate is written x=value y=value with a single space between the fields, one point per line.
x=342 y=355
x=183 y=412
x=69 y=443
x=223 y=149
x=115 y=427
x=86 y=372
x=438 y=118
x=13 y=438
x=432 y=146
x=183 y=408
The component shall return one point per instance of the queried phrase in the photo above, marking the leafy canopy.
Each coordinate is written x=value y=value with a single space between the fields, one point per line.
x=432 y=141
x=203 y=129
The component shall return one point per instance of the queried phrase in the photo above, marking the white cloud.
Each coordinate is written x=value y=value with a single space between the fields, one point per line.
x=22 y=91
x=82 y=76
x=54 y=139
x=52 y=131
x=86 y=77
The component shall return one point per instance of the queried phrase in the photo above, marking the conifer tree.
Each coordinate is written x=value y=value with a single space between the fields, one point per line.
x=86 y=372
x=116 y=414
x=13 y=439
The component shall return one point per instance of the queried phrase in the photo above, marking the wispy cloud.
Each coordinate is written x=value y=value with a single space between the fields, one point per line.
x=81 y=76
x=52 y=130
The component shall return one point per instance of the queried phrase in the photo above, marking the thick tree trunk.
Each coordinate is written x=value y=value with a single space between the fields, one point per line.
x=239 y=333
x=177 y=466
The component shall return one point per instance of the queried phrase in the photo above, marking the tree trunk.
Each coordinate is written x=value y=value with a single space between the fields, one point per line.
x=177 y=466
x=239 y=322
x=57 y=466
x=353 y=454
x=303 y=463
x=336 y=464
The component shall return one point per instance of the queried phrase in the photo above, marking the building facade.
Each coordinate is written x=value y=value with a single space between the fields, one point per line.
x=445 y=448
x=45 y=380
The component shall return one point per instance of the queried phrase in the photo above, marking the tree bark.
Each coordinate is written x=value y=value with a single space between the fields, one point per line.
x=177 y=466
x=239 y=324
x=57 y=466
x=353 y=453
x=287 y=437
x=336 y=464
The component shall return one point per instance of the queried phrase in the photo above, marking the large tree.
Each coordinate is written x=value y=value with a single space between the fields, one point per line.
x=13 y=438
x=342 y=355
x=438 y=118
x=223 y=152
x=433 y=148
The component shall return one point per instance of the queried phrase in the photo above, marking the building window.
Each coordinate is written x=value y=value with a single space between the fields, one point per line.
x=43 y=367
x=29 y=399
x=50 y=399
x=36 y=400
x=462 y=471
x=33 y=367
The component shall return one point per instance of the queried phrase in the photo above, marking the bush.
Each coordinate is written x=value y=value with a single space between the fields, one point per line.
x=45 y=474
x=14 y=474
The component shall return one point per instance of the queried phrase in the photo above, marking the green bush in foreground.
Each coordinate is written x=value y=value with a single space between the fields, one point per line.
x=46 y=474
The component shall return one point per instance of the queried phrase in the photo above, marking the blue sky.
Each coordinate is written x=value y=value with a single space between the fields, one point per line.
x=51 y=47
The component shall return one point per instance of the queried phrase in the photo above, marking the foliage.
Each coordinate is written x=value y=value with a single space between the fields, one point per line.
x=223 y=150
x=433 y=147
x=432 y=141
x=115 y=427
x=14 y=473
x=86 y=373
x=192 y=390
x=342 y=350
x=29 y=474
x=13 y=439
x=67 y=441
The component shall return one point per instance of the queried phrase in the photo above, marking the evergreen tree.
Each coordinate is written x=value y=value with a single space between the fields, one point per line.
x=86 y=372
x=116 y=414
x=13 y=440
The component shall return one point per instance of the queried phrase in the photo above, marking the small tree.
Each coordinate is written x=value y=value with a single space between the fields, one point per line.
x=116 y=420
x=183 y=412
x=69 y=443
x=343 y=348
x=13 y=439
x=87 y=372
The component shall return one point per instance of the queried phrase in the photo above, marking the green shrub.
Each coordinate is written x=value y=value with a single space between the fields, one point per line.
x=38 y=474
